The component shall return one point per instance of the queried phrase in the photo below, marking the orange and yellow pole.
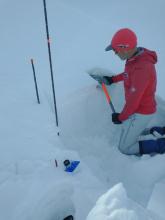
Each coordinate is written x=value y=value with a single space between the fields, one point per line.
x=108 y=97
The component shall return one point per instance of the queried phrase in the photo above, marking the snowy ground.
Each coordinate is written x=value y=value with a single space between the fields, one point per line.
x=31 y=186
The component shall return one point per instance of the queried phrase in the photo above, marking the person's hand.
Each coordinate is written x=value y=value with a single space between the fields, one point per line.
x=115 y=118
x=108 y=80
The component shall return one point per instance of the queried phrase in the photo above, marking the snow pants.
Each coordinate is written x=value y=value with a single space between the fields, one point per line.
x=131 y=130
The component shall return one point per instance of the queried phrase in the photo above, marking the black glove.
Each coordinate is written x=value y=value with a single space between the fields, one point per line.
x=108 y=79
x=115 y=118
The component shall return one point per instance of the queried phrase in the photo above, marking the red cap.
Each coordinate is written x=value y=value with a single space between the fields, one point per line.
x=123 y=40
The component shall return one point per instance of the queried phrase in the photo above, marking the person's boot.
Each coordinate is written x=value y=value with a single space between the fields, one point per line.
x=152 y=146
x=159 y=130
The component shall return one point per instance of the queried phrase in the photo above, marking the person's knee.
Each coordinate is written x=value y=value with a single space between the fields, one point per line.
x=132 y=149
x=124 y=150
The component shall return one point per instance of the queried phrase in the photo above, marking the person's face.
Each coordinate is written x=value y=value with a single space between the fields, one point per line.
x=123 y=55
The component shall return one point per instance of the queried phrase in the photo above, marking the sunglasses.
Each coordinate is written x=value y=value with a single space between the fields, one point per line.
x=121 y=46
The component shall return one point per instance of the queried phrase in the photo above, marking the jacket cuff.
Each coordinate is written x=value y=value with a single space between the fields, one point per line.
x=120 y=118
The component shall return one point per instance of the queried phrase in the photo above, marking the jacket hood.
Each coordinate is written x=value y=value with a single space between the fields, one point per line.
x=150 y=55
x=145 y=55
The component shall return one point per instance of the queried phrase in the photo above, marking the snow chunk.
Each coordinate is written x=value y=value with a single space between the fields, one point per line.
x=114 y=195
x=123 y=214
x=99 y=71
x=112 y=206
x=115 y=205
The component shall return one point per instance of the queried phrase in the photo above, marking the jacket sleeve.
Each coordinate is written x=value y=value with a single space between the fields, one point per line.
x=118 y=78
x=139 y=83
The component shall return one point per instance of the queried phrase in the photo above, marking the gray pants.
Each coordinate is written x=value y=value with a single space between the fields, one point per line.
x=131 y=130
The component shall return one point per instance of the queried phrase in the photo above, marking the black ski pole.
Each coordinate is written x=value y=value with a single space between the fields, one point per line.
x=50 y=62
x=35 y=81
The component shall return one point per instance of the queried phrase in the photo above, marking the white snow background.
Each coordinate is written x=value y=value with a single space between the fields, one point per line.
x=107 y=185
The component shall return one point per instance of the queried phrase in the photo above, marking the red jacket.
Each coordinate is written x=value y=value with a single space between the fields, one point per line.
x=139 y=79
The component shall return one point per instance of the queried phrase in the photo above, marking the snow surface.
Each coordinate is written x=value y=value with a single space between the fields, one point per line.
x=31 y=186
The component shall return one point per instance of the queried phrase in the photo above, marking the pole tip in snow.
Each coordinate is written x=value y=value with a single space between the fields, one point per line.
x=70 y=217
x=56 y=164
x=31 y=60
